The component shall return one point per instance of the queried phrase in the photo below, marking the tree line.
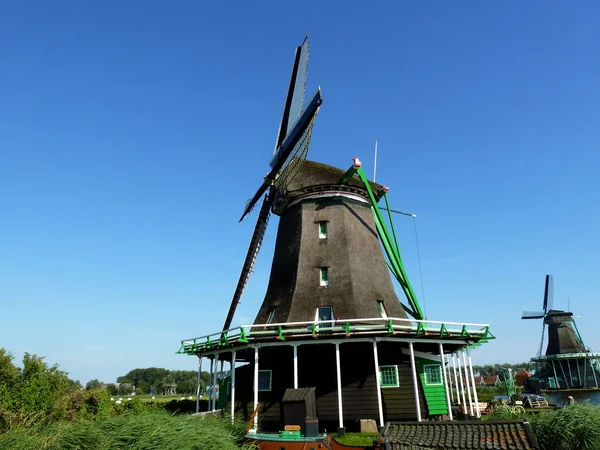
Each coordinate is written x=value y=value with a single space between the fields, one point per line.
x=153 y=380
x=496 y=369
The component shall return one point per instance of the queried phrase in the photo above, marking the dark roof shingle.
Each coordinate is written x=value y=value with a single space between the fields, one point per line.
x=490 y=434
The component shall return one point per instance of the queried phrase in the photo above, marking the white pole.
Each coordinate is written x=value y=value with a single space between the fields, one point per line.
x=375 y=164
x=214 y=396
x=474 y=387
x=415 y=384
x=378 y=383
x=198 y=386
x=571 y=373
x=556 y=377
x=467 y=382
x=455 y=379
x=255 y=387
x=221 y=371
x=295 y=366
x=211 y=389
x=447 y=362
x=446 y=384
x=232 y=386
x=462 y=385
x=339 y=383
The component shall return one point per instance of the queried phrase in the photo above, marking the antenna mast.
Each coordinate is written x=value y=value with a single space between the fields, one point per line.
x=375 y=165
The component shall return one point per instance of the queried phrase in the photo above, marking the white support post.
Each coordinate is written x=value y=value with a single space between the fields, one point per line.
x=221 y=372
x=378 y=383
x=571 y=373
x=556 y=377
x=584 y=372
x=447 y=363
x=255 y=388
x=415 y=384
x=210 y=378
x=233 y=386
x=467 y=382
x=339 y=384
x=462 y=385
x=563 y=372
x=456 y=385
x=446 y=384
x=215 y=384
x=578 y=373
x=198 y=384
x=475 y=397
x=295 y=346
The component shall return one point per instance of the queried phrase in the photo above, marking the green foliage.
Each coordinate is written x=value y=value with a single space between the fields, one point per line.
x=94 y=384
x=357 y=439
x=496 y=369
x=151 y=431
x=573 y=427
x=142 y=379
x=487 y=393
x=30 y=393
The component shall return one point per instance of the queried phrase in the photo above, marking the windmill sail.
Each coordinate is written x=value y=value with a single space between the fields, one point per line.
x=549 y=294
x=294 y=100
x=251 y=254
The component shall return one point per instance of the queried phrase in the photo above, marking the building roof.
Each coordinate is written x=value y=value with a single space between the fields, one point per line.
x=491 y=379
x=489 y=434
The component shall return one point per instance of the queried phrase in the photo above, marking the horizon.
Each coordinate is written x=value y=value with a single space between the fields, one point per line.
x=131 y=136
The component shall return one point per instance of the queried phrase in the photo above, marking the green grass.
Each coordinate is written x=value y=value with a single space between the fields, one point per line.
x=357 y=439
x=150 y=431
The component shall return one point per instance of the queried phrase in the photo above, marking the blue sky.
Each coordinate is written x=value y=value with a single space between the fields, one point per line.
x=132 y=133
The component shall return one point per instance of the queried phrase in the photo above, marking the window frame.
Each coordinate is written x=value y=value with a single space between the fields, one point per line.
x=322 y=229
x=263 y=371
x=439 y=372
x=396 y=374
x=318 y=319
x=324 y=280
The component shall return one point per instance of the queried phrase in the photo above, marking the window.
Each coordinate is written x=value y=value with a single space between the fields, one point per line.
x=264 y=380
x=388 y=376
x=324 y=276
x=382 y=310
x=324 y=313
x=433 y=374
x=271 y=316
x=322 y=230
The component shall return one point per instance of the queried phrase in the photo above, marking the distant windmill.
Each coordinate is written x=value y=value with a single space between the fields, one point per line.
x=567 y=361
x=546 y=306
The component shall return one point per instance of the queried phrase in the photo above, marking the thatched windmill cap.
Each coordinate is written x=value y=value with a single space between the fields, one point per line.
x=315 y=177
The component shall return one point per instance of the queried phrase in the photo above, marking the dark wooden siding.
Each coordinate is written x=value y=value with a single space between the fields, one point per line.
x=317 y=367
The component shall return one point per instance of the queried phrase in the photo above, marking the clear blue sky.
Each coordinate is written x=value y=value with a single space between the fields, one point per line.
x=132 y=133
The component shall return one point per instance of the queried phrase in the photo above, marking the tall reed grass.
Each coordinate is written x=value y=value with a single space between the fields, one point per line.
x=147 y=431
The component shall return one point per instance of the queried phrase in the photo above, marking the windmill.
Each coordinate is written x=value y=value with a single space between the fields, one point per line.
x=547 y=306
x=567 y=363
x=331 y=327
x=291 y=147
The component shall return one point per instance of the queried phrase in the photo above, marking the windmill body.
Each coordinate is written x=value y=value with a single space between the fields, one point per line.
x=331 y=333
x=567 y=363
